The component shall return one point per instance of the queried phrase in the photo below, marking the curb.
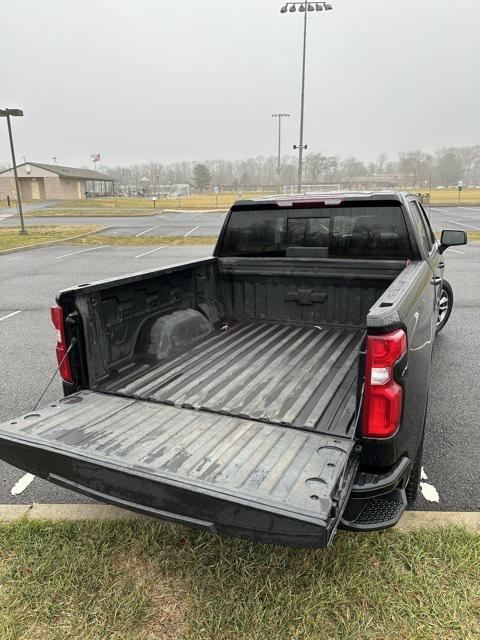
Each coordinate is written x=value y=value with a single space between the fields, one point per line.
x=93 y=215
x=116 y=214
x=411 y=520
x=51 y=243
x=451 y=205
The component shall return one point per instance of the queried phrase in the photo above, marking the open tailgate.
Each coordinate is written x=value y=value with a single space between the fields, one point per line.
x=223 y=474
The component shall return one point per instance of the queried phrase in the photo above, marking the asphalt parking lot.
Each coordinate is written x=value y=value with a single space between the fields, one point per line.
x=29 y=281
x=167 y=223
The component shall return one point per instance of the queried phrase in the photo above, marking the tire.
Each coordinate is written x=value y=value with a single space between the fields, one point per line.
x=413 y=483
x=445 y=305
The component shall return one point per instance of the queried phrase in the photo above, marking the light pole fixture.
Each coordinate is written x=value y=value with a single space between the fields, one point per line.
x=279 y=156
x=7 y=113
x=304 y=7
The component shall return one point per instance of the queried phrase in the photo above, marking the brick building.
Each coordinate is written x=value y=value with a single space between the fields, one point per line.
x=40 y=181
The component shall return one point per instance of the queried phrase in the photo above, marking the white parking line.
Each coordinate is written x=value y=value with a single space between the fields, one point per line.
x=151 y=251
x=441 y=210
x=146 y=231
x=428 y=490
x=477 y=210
x=65 y=255
x=465 y=225
x=22 y=484
x=456 y=251
x=191 y=231
x=14 y=313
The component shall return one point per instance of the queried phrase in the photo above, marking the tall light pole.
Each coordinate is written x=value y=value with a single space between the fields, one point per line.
x=279 y=157
x=304 y=7
x=7 y=113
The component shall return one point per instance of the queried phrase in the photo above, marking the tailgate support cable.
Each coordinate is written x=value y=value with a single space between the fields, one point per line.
x=74 y=340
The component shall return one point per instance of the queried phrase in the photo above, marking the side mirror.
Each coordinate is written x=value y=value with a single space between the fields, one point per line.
x=452 y=238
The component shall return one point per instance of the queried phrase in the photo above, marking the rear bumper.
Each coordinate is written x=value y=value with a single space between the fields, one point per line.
x=377 y=501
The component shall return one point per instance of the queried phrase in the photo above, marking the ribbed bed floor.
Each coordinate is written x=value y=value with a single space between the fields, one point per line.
x=293 y=375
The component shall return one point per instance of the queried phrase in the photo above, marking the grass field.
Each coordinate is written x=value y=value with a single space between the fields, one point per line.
x=197 y=201
x=142 y=580
x=89 y=213
x=144 y=206
x=10 y=238
x=37 y=234
x=450 y=196
x=144 y=240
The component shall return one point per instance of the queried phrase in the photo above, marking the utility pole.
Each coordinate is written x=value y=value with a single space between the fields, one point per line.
x=7 y=113
x=304 y=7
x=301 y=147
x=279 y=155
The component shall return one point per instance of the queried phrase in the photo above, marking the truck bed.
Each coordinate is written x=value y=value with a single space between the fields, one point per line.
x=288 y=374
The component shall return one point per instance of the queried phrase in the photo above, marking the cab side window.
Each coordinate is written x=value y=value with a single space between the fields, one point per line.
x=424 y=234
x=427 y=223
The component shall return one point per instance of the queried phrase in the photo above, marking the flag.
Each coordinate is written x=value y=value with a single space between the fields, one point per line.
x=95 y=157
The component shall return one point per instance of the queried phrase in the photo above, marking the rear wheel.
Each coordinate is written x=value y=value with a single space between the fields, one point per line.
x=445 y=306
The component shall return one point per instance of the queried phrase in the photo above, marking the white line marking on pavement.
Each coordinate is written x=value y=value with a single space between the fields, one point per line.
x=178 y=215
x=151 y=251
x=456 y=251
x=191 y=231
x=477 y=210
x=65 y=255
x=441 y=210
x=462 y=224
x=22 y=484
x=429 y=492
x=14 y=313
x=146 y=231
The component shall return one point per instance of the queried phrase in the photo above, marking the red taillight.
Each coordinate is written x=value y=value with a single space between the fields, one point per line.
x=61 y=348
x=383 y=396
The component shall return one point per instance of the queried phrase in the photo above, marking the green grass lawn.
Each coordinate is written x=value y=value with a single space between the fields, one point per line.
x=196 y=201
x=473 y=236
x=140 y=579
x=144 y=206
x=38 y=234
x=146 y=240
x=98 y=212
x=10 y=238
x=450 y=196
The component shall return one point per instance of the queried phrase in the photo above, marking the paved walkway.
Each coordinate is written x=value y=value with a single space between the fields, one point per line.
x=8 y=212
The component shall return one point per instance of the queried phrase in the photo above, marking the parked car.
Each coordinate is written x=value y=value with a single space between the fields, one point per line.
x=276 y=390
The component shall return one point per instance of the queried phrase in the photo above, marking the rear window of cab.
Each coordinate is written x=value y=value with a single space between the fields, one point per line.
x=349 y=231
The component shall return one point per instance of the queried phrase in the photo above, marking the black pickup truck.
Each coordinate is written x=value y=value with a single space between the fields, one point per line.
x=275 y=391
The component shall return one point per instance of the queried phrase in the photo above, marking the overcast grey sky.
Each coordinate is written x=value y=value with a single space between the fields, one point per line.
x=198 y=79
